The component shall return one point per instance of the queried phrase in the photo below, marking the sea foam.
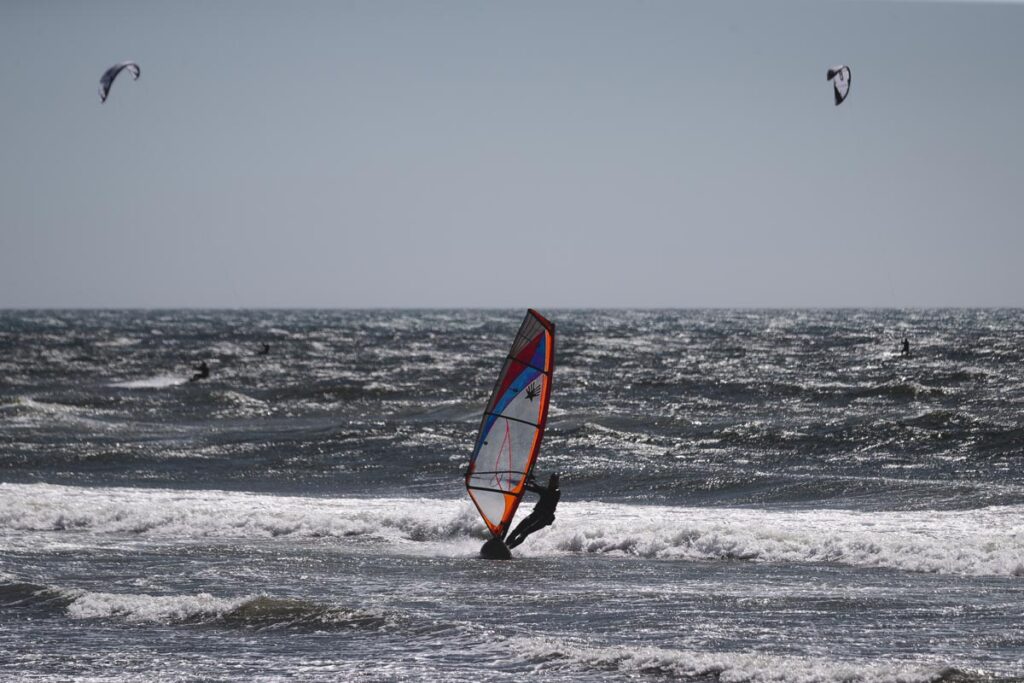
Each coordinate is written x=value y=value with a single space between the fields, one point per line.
x=723 y=667
x=988 y=541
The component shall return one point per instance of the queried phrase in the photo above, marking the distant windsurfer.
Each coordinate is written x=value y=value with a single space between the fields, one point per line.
x=202 y=372
x=905 y=352
x=543 y=512
x=264 y=351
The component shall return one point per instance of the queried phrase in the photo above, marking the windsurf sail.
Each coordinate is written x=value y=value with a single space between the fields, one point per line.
x=513 y=424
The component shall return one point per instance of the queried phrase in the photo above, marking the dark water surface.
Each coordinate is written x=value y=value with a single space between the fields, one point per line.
x=747 y=496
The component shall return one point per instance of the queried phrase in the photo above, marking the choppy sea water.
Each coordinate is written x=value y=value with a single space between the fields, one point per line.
x=747 y=496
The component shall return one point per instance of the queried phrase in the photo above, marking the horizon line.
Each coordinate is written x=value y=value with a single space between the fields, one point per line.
x=97 y=309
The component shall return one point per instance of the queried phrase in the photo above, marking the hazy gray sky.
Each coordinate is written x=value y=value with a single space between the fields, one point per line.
x=550 y=154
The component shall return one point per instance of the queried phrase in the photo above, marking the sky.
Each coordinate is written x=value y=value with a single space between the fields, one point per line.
x=649 y=154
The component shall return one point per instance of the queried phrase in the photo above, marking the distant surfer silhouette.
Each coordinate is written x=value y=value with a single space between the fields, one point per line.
x=264 y=351
x=543 y=512
x=905 y=352
x=202 y=372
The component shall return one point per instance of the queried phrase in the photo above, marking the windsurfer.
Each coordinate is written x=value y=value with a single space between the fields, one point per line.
x=202 y=372
x=905 y=351
x=543 y=512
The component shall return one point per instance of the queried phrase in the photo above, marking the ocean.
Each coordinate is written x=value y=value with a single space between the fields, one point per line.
x=747 y=495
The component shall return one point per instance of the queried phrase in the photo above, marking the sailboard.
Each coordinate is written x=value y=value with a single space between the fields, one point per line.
x=513 y=425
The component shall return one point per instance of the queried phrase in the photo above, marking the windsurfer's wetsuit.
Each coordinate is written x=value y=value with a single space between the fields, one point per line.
x=543 y=512
x=906 y=348
x=203 y=372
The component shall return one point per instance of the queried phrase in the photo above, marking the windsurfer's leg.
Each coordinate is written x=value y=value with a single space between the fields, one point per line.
x=529 y=525
x=515 y=538
x=520 y=533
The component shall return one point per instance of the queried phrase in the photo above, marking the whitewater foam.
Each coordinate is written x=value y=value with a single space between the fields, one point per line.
x=150 y=608
x=988 y=541
x=723 y=667
x=154 y=382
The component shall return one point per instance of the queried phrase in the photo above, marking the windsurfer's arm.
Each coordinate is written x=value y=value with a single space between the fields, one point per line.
x=531 y=485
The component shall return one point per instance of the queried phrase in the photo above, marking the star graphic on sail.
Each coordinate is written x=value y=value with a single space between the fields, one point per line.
x=532 y=391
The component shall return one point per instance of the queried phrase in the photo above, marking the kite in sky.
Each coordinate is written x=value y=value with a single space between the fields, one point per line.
x=110 y=74
x=840 y=77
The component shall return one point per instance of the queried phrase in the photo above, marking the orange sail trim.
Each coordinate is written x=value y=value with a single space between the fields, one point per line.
x=512 y=427
x=512 y=501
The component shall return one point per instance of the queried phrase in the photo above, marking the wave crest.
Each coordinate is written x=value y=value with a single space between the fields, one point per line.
x=724 y=667
x=964 y=542
x=261 y=612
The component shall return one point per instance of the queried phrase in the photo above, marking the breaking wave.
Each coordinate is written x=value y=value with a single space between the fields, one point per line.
x=258 y=612
x=988 y=541
x=725 y=667
x=155 y=382
x=261 y=612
